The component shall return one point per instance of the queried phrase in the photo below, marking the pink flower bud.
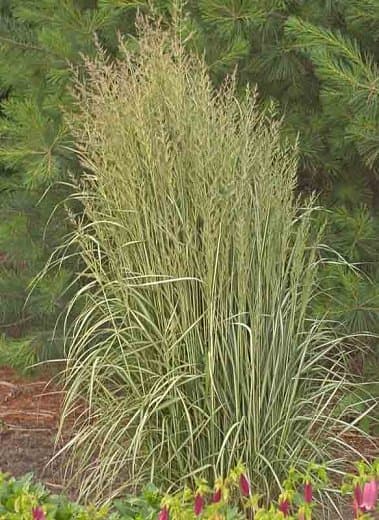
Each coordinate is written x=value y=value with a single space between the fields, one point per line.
x=358 y=494
x=163 y=514
x=357 y=500
x=216 y=496
x=284 y=507
x=369 y=496
x=199 y=505
x=244 y=486
x=356 y=508
x=38 y=513
x=308 y=492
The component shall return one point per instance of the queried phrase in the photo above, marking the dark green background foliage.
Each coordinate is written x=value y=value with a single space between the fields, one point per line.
x=40 y=42
x=317 y=60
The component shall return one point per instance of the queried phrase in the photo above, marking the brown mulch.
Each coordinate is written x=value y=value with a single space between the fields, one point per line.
x=369 y=448
x=29 y=418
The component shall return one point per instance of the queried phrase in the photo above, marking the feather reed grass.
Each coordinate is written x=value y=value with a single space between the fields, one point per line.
x=194 y=347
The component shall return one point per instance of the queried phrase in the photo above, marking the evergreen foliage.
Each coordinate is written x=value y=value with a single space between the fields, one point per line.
x=318 y=60
x=40 y=42
x=27 y=321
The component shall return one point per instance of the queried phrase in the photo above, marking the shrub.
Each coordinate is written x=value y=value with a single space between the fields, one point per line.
x=194 y=348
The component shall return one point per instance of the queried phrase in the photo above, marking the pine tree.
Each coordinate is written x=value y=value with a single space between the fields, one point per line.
x=39 y=43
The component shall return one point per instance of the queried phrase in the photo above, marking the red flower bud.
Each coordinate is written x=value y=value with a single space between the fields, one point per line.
x=308 y=492
x=284 y=507
x=199 y=505
x=216 y=496
x=244 y=486
x=38 y=513
x=163 y=514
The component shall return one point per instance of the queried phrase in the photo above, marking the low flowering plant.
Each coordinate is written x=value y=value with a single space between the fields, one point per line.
x=23 y=499
x=234 y=498
x=230 y=498
x=363 y=486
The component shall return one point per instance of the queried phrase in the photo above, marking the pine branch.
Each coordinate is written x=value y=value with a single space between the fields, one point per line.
x=26 y=46
x=231 y=16
x=363 y=16
x=310 y=37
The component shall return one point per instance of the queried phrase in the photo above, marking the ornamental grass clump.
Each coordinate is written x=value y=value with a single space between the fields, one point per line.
x=193 y=347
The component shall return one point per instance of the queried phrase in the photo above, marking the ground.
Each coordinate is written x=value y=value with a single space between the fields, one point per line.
x=29 y=416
